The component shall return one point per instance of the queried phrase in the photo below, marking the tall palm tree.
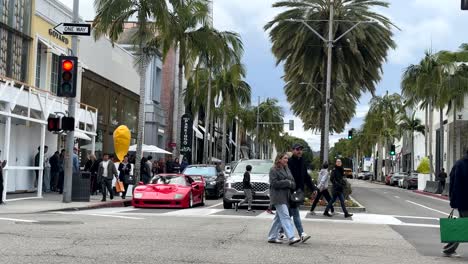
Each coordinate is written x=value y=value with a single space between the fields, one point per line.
x=357 y=58
x=152 y=17
x=269 y=111
x=235 y=93
x=412 y=125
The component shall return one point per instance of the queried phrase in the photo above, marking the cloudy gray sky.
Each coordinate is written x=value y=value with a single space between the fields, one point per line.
x=423 y=24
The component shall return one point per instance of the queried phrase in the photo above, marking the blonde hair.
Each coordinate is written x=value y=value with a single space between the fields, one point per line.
x=279 y=157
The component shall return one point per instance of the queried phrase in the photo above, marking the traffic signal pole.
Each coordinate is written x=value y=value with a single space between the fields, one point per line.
x=70 y=141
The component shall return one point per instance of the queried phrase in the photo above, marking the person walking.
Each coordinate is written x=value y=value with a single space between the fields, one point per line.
x=247 y=185
x=36 y=163
x=282 y=182
x=298 y=169
x=145 y=171
x=54 y=171
x=125 y=169
x=183 y=165
x=3 y=164
x=76 y=161
x=61 y=171
x=106 y=174
x=92 y=166
x=339 y=184
x=442 y=179
x=162 y=166
x=458 y=197
x=322 y=188
x=176 y=166
x=46 y=183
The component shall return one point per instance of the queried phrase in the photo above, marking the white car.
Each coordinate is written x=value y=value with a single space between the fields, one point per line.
x=400 y=182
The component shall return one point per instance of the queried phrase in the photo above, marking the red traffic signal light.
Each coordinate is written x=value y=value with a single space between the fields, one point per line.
x=68 y=74
x=57 y=124
x=53 y=124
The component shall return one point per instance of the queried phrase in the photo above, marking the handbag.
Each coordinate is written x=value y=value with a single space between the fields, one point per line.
x=129 y=179
x=453 y=229
x=119 y=187
x=296 y=197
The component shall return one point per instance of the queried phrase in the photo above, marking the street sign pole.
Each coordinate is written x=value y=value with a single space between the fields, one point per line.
x=70 y=142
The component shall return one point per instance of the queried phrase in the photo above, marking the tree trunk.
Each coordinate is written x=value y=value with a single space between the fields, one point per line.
x=141 y=119
x=181 y=105
x=441 y=136
x=412 y=152
x=238 y=144
x=379 y=161
x=175 y=113
x=194 y=138
x=426 y=135
x=223 y=143
x=431 y=157
x=322 y=135
x=454 y=145
x=207 y=120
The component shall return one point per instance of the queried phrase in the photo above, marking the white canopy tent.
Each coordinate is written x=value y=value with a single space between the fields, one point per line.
x=149 y=149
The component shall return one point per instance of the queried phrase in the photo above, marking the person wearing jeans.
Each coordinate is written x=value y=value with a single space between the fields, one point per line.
x=281 y=183
x=339 y=184
x=458 y=197
x=106 y=174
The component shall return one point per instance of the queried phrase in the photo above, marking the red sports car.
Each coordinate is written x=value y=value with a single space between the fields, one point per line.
x=170 y=191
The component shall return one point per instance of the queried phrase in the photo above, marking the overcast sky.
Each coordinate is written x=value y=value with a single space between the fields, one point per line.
x=423 y=24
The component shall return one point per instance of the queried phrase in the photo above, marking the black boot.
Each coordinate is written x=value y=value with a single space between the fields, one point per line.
x=326 y=213
x=347 y=215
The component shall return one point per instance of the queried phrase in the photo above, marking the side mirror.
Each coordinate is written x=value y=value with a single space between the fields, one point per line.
x=141 y=183
x=195 y=185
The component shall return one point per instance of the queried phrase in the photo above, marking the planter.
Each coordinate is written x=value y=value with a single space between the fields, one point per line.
x=422 y=179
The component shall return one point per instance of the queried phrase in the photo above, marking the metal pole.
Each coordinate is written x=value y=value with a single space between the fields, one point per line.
x=40 y=178
x=70 y=142
x=326 y=129
x=257 y=145
x=7 y=153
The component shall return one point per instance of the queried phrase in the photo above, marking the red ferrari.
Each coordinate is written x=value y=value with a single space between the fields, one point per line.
x=170 y=191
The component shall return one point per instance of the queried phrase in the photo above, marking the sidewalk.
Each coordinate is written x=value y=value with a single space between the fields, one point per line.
x=53 y=202
x=439 y=196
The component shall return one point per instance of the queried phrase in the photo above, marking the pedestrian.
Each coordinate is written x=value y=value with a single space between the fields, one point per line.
x=169 y=165
x=298 y=169
x=176 y=166
x=54 y=171
x=282 y=183
x=247 y=185
x=45 y=177
x=339 y=184
x=46 y=180
x=458 y=196
x=162 y=166
x=155 y=168
x=322 y=188
x=76 y=161
x=125 y=169
x=61 y=171
x=92 y=166
x=106 y=174
x=145 y=171
x=183 y=165
x=442 y=178
x=150 y=164
x=3 y=164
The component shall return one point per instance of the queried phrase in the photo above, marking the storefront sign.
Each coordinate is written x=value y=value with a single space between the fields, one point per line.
x=186 y=135
x=56 y=35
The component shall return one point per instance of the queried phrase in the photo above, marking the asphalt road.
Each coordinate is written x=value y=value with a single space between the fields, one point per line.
x=392 y=231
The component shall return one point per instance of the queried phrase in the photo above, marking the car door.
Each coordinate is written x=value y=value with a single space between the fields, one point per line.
x=196 y=192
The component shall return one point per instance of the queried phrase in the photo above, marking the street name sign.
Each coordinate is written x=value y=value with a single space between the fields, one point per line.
x=75 y=29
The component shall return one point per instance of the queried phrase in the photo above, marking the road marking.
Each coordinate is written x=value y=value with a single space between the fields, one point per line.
x=103 y=215
x=428 y=208
x=420 y=225
x=18 y=220
x=415 y=217
x=218 y=204
x=398 y=197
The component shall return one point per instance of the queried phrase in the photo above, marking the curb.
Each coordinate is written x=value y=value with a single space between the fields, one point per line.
x=122 y=203
x=441 y=197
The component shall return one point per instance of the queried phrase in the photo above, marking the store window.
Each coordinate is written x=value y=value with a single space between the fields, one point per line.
x=54 y=74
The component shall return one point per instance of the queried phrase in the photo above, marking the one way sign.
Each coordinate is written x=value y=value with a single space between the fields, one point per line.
x=73 y=29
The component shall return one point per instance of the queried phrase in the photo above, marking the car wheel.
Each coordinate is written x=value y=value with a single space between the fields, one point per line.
x=190 y=200
x=227 y=205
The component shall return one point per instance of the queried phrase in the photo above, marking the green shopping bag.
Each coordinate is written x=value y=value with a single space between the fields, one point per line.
x=453 y=229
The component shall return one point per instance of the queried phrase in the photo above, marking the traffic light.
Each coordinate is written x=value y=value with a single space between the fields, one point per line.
x=350 y=134
x=291 y=124
x=392 y=150
x=57 y=124
x=464 y=4
x=68 y=73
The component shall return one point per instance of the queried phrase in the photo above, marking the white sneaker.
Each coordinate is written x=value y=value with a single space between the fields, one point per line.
x=282 y=236
x=294 y=241
x=304 y=237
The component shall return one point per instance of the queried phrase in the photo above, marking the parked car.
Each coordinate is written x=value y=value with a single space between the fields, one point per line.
x=411 y=181
x=348 y=173
x=170 y=190
x=396 y=177
x=259 y=177
x=364 y=175
x=388 y=178
x=214 y=179
x=400 y=181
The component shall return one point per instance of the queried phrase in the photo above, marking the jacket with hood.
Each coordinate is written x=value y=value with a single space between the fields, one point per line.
x=323 y=179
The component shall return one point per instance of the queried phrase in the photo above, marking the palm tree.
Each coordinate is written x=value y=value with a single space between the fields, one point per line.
x=412 y=124
x=357 y=59
x=269 y=111
x=152 y=17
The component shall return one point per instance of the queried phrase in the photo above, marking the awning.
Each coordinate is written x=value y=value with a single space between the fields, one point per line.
x=81 y=135
x=198 y=134
x=149 y=149
x=204 y=131
x=53 y=48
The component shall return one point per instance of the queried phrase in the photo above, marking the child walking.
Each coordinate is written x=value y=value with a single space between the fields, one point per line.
x=247 y=190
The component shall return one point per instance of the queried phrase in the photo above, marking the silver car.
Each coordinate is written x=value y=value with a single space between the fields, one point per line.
x=259 y=178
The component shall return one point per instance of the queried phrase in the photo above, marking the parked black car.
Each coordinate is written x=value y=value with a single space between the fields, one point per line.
x=411 y=181
x=214 y=179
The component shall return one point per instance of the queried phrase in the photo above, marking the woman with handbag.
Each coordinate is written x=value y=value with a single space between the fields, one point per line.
x=124 y=175
x=339 y=184
x=281 y=183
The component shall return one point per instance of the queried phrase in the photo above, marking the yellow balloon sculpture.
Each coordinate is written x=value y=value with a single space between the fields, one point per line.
x=121 y=141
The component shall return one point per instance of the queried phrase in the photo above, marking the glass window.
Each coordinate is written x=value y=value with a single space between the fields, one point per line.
x=114 y=107
x=3 y=51
x=169 y=179
x=38 y=64
x=258 y=166
x=157 y=85
x=54 y=74
x=204 y=171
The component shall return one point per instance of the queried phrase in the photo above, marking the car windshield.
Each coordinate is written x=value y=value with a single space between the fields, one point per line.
x=196 y=178
x=258 y=166
x=169 y=179
x=204 y=171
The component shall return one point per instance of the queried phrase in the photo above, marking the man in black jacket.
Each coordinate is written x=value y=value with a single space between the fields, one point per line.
x=298 y=169
x=458 y=196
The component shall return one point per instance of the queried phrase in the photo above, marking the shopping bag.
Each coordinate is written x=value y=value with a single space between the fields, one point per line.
x=119 y=187
x=453 y=229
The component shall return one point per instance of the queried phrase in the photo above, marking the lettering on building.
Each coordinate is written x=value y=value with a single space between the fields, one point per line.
x=186 y=135
x=56 y=35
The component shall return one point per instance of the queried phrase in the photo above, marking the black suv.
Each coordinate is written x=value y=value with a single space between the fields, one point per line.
x=214 y=179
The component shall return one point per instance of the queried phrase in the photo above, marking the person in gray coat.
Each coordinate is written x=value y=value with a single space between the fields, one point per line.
x=281 y=184
x=106 y=173
x=323 y=180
